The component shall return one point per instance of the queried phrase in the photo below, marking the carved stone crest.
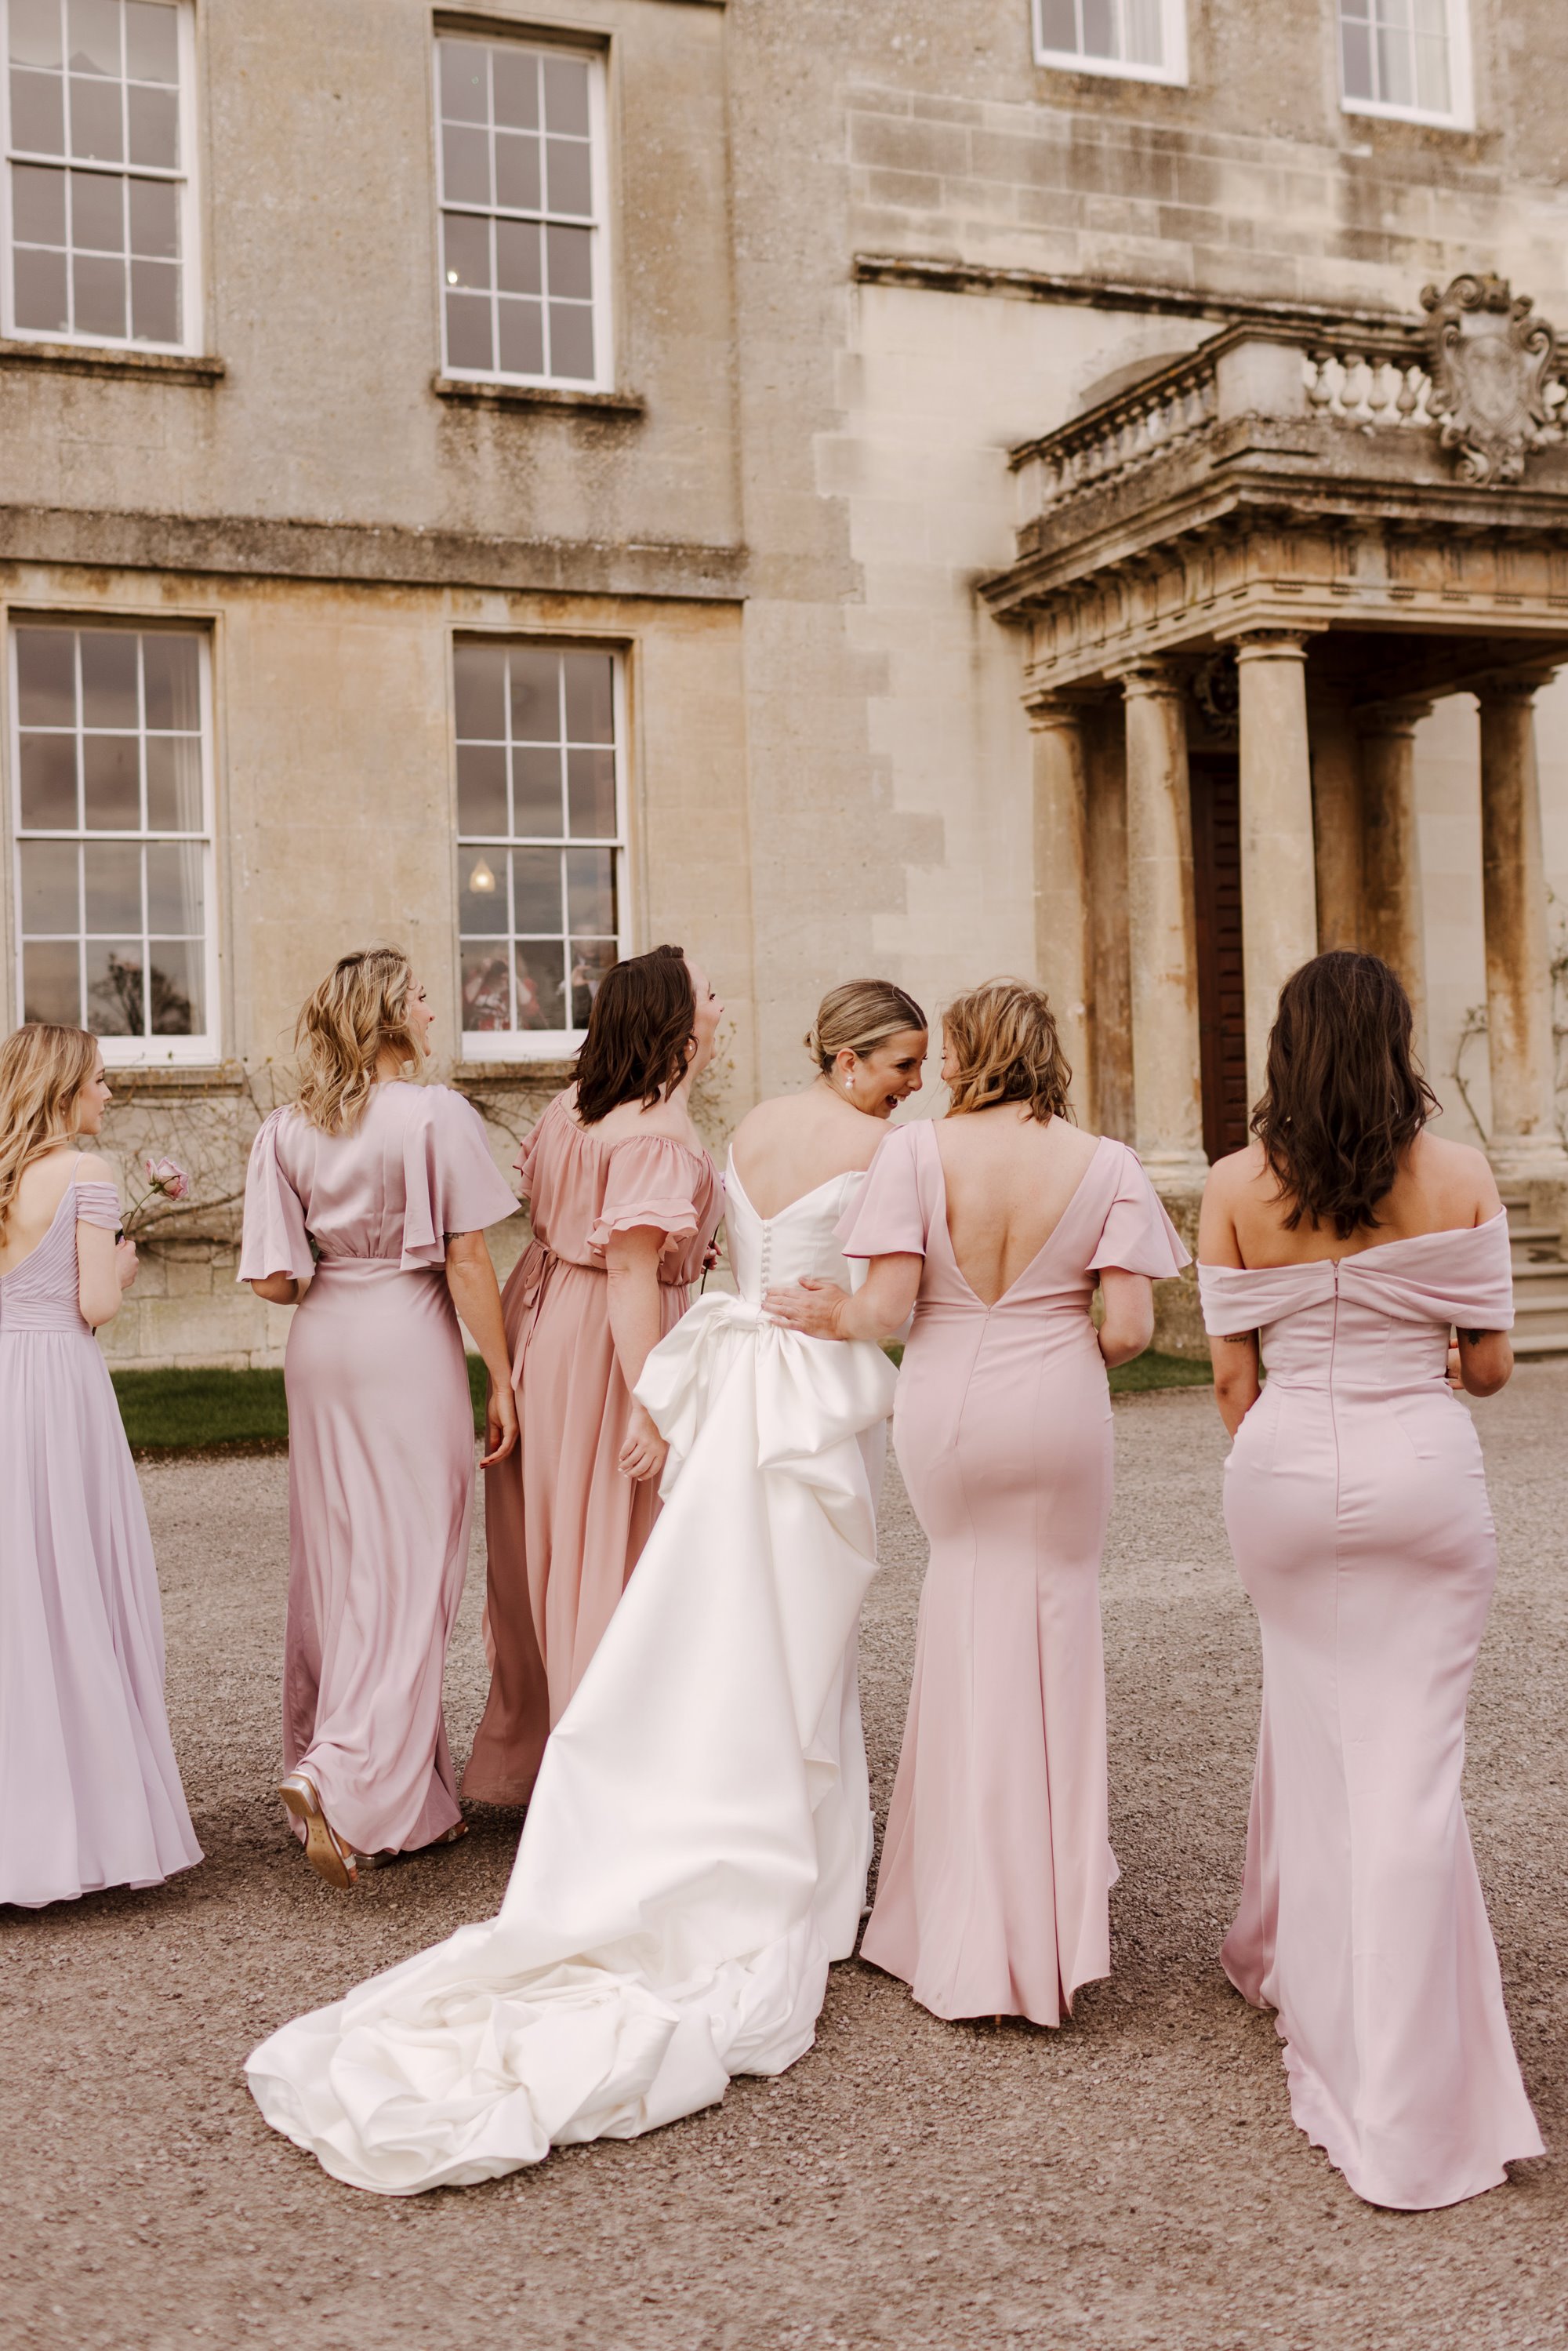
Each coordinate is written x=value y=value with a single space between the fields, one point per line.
x=1494 y=387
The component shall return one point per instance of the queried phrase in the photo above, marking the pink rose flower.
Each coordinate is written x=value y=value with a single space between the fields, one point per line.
x=166 y=1176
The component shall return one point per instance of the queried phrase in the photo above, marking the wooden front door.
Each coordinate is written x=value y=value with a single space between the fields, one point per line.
x=1221 y=998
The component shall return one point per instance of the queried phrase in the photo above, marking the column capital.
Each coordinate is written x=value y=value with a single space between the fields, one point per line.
x=1389 y=717
x=1157 y=678
x=1270 y=644
x=1512 y=684
x=1049 y=706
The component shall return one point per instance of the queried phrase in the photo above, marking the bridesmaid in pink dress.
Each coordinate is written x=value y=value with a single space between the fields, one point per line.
x=91 y=1793
x=1348 y=1241
x=625 y=1202
x=366 y=1201
x=996 y=1227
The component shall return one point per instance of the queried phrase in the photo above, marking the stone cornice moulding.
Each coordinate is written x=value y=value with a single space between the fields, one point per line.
x=366 y=554
x=939 y=275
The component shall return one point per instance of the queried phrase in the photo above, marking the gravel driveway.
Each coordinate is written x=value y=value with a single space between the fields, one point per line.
x=1133 y=2179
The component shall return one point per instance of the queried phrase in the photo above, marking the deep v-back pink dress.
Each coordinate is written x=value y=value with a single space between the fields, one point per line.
x=997 y=1866
x=90 y=1793
x=1356 y=1505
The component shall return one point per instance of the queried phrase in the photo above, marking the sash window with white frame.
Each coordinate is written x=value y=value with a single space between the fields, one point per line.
x=99 y=199
x=541 y=840
x=1407 y=58
x=112 y=802
x=1145 y=40
x=523 y=189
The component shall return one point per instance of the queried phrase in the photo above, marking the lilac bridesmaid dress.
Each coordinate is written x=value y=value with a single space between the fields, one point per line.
x=997 y=1866
x=380 y=1443
x=1356 y=1506
x=92 y=1795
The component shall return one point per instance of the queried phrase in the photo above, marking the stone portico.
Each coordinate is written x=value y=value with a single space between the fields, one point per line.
x=1241 y=582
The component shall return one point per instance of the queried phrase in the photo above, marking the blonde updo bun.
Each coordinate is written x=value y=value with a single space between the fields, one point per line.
x=862 y=1014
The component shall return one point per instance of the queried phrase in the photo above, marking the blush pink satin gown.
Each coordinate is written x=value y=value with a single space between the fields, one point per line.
x=997 y=1866
x=380 y=1443
x=564 y=1525
x=92 y=1795
x=1356 y=1506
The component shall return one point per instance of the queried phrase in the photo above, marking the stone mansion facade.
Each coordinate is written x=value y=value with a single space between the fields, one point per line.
x=1074 y=486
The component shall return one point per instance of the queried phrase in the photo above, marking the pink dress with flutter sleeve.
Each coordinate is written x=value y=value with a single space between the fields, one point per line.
x=380 y=1450
x=564 y=1525
x=997 y=1864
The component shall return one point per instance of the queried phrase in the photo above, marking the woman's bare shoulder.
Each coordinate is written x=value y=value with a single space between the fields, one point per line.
x=90 y=1168
x=1238 y=1174
x=1459 y=1172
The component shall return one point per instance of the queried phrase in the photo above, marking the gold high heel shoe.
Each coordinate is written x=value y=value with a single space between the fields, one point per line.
x=329 y=1856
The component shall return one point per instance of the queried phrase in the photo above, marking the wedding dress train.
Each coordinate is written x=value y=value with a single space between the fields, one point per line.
x=696 y=1849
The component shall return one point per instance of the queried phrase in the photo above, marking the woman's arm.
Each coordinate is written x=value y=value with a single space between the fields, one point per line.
x=105 y=1271
x=636 y=1326
x=471 y=1279
x=1485 y=1362
x=882 y=1304
x=1128 y=1323
x=280 y=1288
x=1237 y=1386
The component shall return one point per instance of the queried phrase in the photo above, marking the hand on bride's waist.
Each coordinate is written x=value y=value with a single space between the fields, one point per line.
x=813 y=1307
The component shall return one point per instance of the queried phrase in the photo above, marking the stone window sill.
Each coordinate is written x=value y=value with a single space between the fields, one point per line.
x=486 y=1076
x=86 y=358
x=538 y=395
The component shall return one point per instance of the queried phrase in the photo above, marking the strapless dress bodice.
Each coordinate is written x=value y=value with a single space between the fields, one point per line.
x=796 y=1245
x=41 y=1294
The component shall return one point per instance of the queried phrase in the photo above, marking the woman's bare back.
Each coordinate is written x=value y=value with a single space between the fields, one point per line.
x=1441 y=1187
x=38 y=1197
x=788 y=1147
x=1009 y=1181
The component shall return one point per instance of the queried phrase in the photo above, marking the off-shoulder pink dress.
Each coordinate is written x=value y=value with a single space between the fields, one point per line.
x=1356 y=1505
x=380 y=1443
x=91 y=1793
x=565 y=1527
x=992 y=1897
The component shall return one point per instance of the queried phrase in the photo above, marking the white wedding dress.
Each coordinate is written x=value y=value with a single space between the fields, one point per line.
x=696 y=1849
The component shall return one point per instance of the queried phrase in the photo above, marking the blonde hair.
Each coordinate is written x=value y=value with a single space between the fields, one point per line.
x=359 y=1008
x=43 y=1069
x=1002 y=1035
x=860 y=1015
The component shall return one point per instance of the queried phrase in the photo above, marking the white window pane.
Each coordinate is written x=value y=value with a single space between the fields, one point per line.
x=521 y=325
x=50 y=888
x=173 y=783
x=535 y=891
x=568 y=254
x=1355 y=53
x=590 y=692
x=566 y=95
x=35 y=27
x=152 y=119
x=482 y=893
x=536 y=696
x=154 y=302
x=110 y=688
x=591 y=793
x=176 y=987
x=1100 y=29
x=465 y=248
x=46 y=677
x=520 y=264
x=98 y=212
x=48 y=782
x=541 y=985
x=570 y=187
x=175 y=889
x=51 y=984
x=464 y=82
x=38 y=113
x=94 y=36
x=479 y=673
x=38 y=205
x=518 y=185
x=155 y=219
x=172 y=682
x=469 y=341
x=111 y=887
x=98 y=131
x=111 y=783
x=482 y=790
x=572 y=341
x=590 y=959
x=537 y=800
x=1432 y=85
x=590 y=889
x=1059 y=27
x=465 y=164
x=152 y=42
x=1144 y=35
x=42 y=293
x=515 y=75
x=487 y=989
x=97 y=296
x=115 y=1001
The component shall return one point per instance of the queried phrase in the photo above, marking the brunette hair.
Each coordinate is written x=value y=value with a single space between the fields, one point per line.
x=857 y=1017
x=43 y=1069
x=642 y=1022
x=359 y=1006
x=1004 y=1038
x=1343 y=1100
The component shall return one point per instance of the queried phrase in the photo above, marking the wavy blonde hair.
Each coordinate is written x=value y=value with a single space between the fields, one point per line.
x=859 y=1015
x=1003 y=1036
x=43 y=1069
x=360 y=1008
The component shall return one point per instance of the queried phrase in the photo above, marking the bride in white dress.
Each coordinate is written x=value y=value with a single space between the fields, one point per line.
x=696 y=1853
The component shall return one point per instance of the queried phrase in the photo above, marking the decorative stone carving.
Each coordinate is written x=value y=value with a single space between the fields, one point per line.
x=1217 y=691
x=1493 y=377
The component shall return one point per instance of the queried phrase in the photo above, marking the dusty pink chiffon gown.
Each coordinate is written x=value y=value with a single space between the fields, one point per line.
x=565 y=1527
x=1356 y=1506
x=92 y=1795
x=380 y=1443
x=992 y=1897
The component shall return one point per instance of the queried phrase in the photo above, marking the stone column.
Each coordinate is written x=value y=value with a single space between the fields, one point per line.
x=1060 y=759
x=1336 y=821
x=1525 y=1144
x=1167 y=1095
x=1391 y=849
x=1279 y=877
